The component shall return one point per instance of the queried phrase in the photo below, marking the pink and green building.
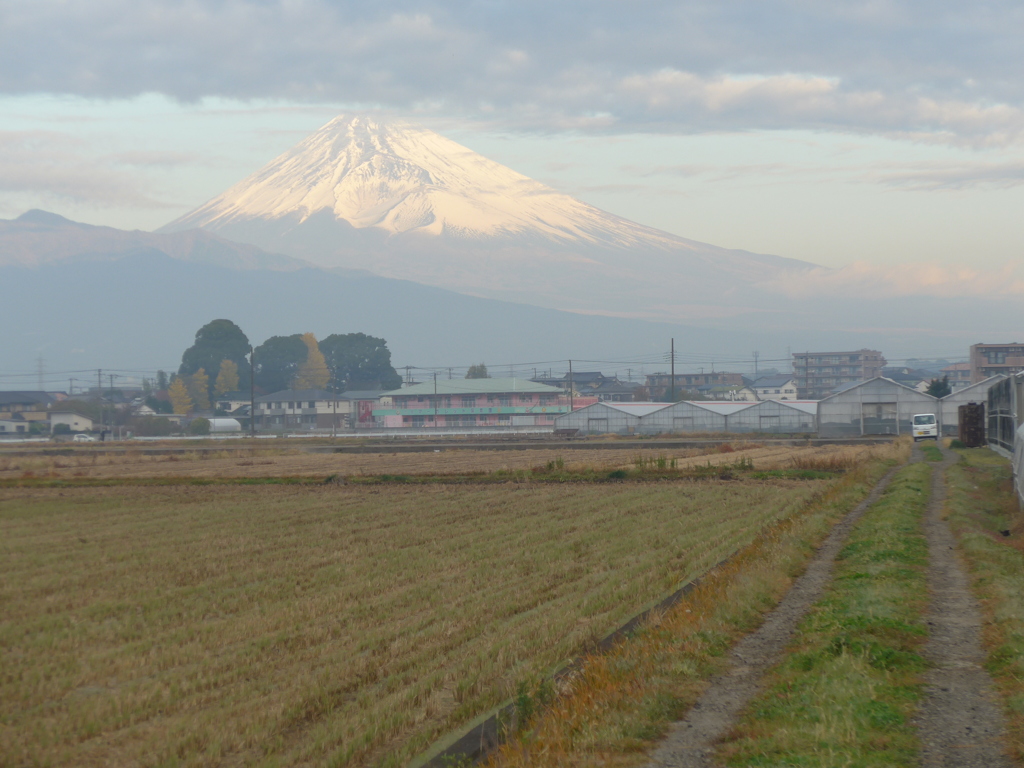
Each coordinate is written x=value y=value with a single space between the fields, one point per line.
x=475 y=403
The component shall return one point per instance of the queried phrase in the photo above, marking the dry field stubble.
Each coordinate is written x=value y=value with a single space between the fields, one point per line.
x=324 y=625
x=294 y=463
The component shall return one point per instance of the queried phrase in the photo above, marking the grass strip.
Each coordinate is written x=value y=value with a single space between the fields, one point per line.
x=931 y=452
x=622 y=701
x=846 y=691
x=989 y=527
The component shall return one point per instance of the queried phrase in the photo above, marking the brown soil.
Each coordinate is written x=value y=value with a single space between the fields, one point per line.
x=960 y=721
x=691 y=741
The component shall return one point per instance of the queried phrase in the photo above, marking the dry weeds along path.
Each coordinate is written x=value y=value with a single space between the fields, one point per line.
x=691 y=741
x=960 y=721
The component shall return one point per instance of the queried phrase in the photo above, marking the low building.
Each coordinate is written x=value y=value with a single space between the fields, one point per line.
x=76 y=422
x=878 y=406
x=660 y=384
x=818 y=373
x=13 y=425
x=300 y=409
x=959 y=375
x=779 y=387
x=496 y=402
x=788 y=417
x=994 y=359
x=607 y=389
x=733 y=394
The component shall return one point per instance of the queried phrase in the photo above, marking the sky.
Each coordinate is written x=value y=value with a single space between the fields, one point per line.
x=878 y=137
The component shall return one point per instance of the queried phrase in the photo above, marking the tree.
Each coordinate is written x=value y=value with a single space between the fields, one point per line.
x=278 y=359
x=939 y=387
x=151 y=426
x=178 y=393
x=215 y=342
x=313 y=373
x=161 y=380
x=358 y=361
x=227 y=378
x=160 y=406
x=478 y=371
x=199 y=427
x=198 y=386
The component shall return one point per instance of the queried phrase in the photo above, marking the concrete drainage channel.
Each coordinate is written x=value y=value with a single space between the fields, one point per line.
x=485 y=734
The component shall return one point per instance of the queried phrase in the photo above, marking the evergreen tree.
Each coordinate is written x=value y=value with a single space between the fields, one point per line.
x=313 y=374
x=227 y=377
x=939 y=387
x=179 y=396
x=216 y=341
x=278 y=359
x=478 y=371
x=358 y=361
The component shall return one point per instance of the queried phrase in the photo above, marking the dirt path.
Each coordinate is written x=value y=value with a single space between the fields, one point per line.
x=691 y=741
x=960 y=721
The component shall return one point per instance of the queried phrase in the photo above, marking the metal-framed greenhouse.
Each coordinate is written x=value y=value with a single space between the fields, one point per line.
x=607 y=418
x=975 y=393
x=878 y=406
x=776 y=417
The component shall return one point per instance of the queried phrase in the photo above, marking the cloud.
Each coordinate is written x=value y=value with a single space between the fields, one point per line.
x=54 y=166
x=936 y=71
x=953 y=176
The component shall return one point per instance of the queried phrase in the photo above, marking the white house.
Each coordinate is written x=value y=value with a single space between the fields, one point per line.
x=76 y=422
x=780 y=387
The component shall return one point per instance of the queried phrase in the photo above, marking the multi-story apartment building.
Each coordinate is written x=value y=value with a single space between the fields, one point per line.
x=818 y=373
x=959 y=375
x=991 y=359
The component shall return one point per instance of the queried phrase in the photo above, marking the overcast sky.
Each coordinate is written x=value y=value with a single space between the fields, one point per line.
x=874 y=132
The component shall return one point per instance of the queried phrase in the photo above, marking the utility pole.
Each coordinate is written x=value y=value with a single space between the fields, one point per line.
x=435 y=399
x=252 y=392
x=112 y=377
x=672 y=356
x=71 y=385
x=99 y=394
x=449 y=374
x=756 y=355
x=570 y=387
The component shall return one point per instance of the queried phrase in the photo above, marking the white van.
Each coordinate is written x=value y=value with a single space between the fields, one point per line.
x=925 y=426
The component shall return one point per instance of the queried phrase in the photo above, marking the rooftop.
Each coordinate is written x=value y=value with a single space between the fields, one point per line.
x=473 y=386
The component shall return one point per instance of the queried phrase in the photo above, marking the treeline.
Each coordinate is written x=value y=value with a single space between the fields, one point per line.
x=218 y=363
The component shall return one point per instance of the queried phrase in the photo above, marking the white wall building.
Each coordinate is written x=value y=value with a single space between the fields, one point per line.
x=75 y=421
x=878 y=406
x=779 y=387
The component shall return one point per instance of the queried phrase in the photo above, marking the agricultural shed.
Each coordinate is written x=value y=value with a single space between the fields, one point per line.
x=975 y=393
x=689 y=416
x=775 y=416
x=607 y=418
x=878 y=406
x=219 y=426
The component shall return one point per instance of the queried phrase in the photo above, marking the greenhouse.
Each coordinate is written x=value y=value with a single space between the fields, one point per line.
x=607 y=418
x=878 y=406
x=690 y=416
x=775 y=417
x=975 y=393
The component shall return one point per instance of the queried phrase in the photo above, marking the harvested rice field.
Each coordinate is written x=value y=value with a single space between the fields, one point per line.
x=87 y=462
x=346 y=625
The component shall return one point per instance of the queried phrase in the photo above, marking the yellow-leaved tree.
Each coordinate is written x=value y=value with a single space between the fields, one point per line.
x=198 y=385
x=314 y=373
x=227 y=377
x=178 y=394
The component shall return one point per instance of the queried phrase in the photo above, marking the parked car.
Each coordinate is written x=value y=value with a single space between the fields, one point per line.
x=80 y=438
x=925 y=426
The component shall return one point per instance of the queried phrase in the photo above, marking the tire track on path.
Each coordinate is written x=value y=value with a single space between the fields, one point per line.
x=691 y=741
x=960 y=721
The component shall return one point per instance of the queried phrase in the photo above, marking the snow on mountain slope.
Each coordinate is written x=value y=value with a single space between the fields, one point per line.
x=401 y=201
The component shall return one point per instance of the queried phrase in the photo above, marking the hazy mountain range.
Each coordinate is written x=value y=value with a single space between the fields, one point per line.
x=392 y=230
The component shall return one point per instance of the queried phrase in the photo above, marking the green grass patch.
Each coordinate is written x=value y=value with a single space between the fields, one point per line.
x=931 y=452
x=623 y=700
x=850 y=683
x=987 y=522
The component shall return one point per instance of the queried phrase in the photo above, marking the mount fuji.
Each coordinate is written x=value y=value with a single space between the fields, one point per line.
x=401 y=201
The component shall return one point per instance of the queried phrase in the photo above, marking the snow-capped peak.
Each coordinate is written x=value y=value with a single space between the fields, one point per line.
x=402 y=178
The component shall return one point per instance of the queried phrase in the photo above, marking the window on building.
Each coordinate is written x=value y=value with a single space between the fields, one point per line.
x=505 y=401
x=312 y=404
x=291 y=405
x=468 y=402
